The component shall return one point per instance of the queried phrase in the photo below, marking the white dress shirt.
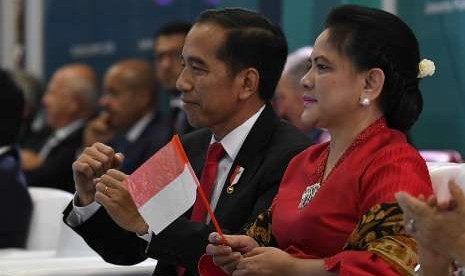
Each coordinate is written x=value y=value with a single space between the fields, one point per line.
x=231 y=143
x=136 y=130
x=4 y=149
x=58 y=136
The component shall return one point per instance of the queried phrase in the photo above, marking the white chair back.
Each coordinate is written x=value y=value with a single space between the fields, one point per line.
x=48 y=231
x=46 y=221
x=441 y=156
x=443 y=172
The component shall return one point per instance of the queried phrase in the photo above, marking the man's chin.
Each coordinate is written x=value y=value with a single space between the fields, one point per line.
x=194 y=121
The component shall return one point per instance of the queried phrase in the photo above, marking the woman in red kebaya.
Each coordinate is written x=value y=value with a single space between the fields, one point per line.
x=335 y=212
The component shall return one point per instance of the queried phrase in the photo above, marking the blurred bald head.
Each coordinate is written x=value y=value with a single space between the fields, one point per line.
x=71 y=95
x=289 y=91
x=135 y=74
x=128 y=92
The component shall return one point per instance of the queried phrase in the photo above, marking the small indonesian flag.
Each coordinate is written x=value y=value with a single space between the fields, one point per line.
x=164 y=187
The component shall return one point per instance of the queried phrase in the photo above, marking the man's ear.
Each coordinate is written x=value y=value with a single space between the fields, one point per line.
x=373 y=84
x=249 y=79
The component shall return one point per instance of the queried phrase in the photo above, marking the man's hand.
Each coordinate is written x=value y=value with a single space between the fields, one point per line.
x=91 y=165
x=30 y=160
x=112 y=193
x=98 y=130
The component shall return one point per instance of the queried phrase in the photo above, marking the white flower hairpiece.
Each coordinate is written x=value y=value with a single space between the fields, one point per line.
x=425 y=68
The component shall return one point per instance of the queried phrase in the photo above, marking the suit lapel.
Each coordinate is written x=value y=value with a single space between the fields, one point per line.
x=196 y=148
x=250 y=155
x=72 y=140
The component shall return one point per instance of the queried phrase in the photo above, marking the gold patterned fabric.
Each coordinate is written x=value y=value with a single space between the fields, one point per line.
x=260 y=229
x=381 y=231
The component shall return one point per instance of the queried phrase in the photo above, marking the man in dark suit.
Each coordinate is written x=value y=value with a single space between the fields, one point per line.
x=129 y=122
x=15 y=202
x=232 y=61
x=71 y=99
x=167 y=47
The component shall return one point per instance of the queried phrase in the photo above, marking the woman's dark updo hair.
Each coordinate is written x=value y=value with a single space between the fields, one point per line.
x=374 y=38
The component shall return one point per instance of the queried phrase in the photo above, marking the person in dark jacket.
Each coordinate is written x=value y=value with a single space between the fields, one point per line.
x=15 y=201
x=70 y=100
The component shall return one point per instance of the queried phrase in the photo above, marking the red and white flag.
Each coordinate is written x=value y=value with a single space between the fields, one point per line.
x=164 y=187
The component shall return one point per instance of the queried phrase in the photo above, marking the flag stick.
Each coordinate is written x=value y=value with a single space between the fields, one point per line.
x=210 y=212
x=205 y=202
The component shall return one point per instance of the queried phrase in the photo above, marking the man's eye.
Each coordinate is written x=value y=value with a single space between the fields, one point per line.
x=322 y=67
x=198 y=69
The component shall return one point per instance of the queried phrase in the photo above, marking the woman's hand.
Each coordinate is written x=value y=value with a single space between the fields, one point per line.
x=265 y=261
x=227 y=257
x=273 y=261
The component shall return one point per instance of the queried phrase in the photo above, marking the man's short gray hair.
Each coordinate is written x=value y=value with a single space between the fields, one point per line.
x=297 y=64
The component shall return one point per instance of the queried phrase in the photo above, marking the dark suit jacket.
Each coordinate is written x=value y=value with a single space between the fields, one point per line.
x=179 y=121
x=156 y=134
x=56 y=171
x=15 y=202
x=264 y=155
x=178 y=116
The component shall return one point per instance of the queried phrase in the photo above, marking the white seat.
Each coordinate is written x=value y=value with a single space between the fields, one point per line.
x=53 y=249
x=441 y=156
x=46 y=221
x=47 y=231
x=443 y=172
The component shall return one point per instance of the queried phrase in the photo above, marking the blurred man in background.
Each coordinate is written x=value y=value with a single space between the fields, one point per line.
x=129 y=121
x=70 y=100
x=289 y=92
x=167 y=48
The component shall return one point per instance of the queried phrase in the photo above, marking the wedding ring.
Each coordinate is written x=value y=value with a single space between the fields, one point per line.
x=105 y=191
x=411 y=225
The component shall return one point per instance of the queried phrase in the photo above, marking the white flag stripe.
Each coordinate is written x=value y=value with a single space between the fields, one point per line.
x=171 y=202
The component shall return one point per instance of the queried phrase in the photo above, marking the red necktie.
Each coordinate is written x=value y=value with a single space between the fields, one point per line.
x=207 y=181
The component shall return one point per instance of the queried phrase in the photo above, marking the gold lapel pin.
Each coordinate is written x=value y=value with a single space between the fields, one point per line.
x=235 y=176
